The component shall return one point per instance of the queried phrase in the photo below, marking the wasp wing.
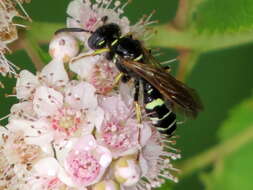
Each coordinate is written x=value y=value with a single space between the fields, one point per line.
x=175 y=91
x=148 y=58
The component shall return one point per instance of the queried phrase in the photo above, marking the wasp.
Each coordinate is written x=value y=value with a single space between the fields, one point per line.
x=162 y=94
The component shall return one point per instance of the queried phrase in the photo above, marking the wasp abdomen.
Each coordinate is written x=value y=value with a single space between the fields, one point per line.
x=160 y=114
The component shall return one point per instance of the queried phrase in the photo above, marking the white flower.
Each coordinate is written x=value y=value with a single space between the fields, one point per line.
x=69 y=111
x=155 y=160
x=53 y=75
x=34 y=132
x=16 y=159
x=96 y=70
x=6 y=67
x=73 y=112
x=120 y=131
x=87 y=15
x=78 y=132
x=8 y=32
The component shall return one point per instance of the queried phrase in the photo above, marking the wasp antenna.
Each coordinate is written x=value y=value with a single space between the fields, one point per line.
x=72 y=30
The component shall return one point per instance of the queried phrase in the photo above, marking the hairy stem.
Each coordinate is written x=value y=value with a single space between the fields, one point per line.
x=218 y=152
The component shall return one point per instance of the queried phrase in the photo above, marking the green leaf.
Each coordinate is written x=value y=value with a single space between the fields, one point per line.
x=241 y=117
x=224 y=15
x=232 y=171
x=211 y=25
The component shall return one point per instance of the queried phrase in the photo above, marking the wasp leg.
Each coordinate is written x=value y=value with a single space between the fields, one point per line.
x=117 y=79
x=138 y=112
x=136 y=98
x=96 y=52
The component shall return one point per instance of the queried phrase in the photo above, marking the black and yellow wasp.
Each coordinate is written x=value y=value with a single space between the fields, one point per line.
x=162 y=93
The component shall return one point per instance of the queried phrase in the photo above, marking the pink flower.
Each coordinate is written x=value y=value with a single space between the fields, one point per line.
x=87 y=15
x=87 y=161
x=84 y=168
x=53 y=75
x=81 y=163
x=155 y=160
x=120 y=131
x=96 y=70
x=70 y=112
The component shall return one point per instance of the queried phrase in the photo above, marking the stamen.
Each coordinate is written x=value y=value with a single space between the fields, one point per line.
x=5 y=117
x=21 y=7
x=20 y=25
x=10 y=95
x=2 y=85
x=125 y=4
x=150 y=16
x=169 y=61
x=109 y=3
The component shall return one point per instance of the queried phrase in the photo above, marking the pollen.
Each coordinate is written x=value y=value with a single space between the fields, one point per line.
x=67 y=122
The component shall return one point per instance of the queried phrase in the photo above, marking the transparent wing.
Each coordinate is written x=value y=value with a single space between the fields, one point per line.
x=178 y=93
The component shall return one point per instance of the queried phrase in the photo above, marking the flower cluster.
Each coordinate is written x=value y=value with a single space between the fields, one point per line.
x=8 y=31
x=72 y=130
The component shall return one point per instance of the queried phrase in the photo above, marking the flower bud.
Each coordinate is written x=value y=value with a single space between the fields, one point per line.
x=127 y=171
x=106 y=185
x=63 y=47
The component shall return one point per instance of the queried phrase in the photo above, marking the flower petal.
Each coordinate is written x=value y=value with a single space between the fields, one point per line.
x=83 y=67
x=145 y=135
x=48 y=167
x=96 y=117
x=47 y=101
x=115 y=107
x=54 y=73
x=81 y=96
x=26 y=84
x=34 y=132
x=23 y=110
x=65 y=178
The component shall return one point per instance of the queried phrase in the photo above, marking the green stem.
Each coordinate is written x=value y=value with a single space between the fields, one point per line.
x=169 y=37
x=218 y=152
x=184 y=13
x=180 y=20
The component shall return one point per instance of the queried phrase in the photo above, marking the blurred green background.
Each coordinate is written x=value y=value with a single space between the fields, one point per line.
x=222 y=77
